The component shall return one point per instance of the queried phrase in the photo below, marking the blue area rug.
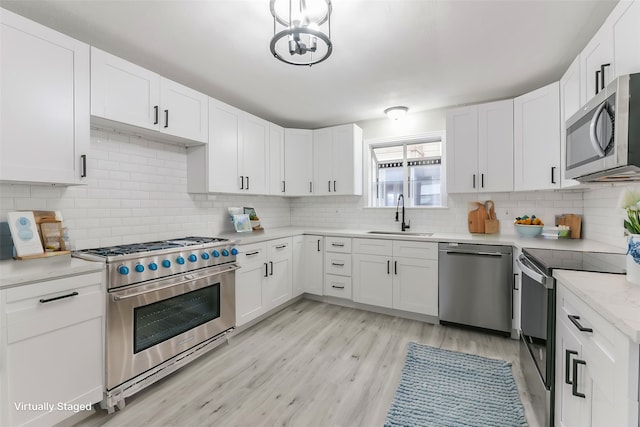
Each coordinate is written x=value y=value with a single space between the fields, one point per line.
x=447 y=388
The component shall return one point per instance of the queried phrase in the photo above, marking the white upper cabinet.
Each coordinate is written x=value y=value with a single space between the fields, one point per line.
x=44 y=81
x=276 y=160
x=480 y=148
x=126 y=93
x=536 y=117
x=613 y=51
x=254 y=156
x=337 y=157
x=298 y=162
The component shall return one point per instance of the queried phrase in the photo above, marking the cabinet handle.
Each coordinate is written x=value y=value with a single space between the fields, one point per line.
x=337 y=287
x=281 y=247
x=156 y=108
x=474 y=180
x=337 y=264
x=329 y=184
x=338 y=245
x=602 y=67
x=515 y=281
x=44 y=301
x=482 y=180
x=284 y=186
x=395 y=267
x=241 y=182
x=567 y=367
x=271 y=263
x=166 y=118
x=574 y=319
x=598 y=81
x=310 y=187
x=318 y=245
x=247 y=183
x=574 y=386
x=252 y=253
x=334 y=186
x=553 y=174
x=266 y=270
x=388 y=267
x=83 y=158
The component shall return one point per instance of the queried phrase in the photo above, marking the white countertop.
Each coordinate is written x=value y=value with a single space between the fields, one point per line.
x=487 y=239
x=23 y=272
x=615 y=299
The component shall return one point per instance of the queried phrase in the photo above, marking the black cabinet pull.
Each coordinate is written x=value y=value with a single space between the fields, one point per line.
x=602 y=67
x=329 y=184
x=574 y=386
x=44 y=301
x=337 y=264
x=395 y=267
x=241 y=182
x=310 y=187
x=388 y=267
x=318 y=245
x=166 y=118
x=284 y=186
x=156 y=109
x=338 y=245
x=252 y=253
x=266 y=270
x=553 y=174
x=598 y=81
x=474 y=180
x=281 y=246
x=247 y=182
x=337 y=287
x=334 y=186
x=271 y=263
x=567 y=367
x=482 y=180
x=83 y=158
x=574 y=319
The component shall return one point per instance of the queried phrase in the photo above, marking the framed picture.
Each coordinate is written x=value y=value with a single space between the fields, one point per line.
x=242 y=223
x=251 y=212
x=24 y=232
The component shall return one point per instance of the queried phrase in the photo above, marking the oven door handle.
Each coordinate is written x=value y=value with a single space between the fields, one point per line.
x=538 y=276
x=122 y=295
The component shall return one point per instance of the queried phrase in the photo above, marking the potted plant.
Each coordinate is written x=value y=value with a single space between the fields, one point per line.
x=630 y=202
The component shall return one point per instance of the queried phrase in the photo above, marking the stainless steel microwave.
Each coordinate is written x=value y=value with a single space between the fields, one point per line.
x=603 y=138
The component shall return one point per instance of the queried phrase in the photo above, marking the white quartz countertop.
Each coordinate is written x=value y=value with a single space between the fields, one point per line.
x=615 y=299
x=487 y=239
x=23 y=272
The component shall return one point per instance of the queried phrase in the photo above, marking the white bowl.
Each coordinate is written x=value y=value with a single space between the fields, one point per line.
x=528 y=230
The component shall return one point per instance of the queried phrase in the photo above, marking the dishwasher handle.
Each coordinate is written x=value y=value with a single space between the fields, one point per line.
x=481 y=253
x=530 y=270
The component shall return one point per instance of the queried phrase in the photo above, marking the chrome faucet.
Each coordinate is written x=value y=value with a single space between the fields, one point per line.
x=403 y=226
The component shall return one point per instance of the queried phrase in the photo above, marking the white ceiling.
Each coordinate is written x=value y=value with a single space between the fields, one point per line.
x=425 y=54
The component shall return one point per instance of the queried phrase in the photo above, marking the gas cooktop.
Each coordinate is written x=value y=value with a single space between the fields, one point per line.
x=599 y=262
x=133 y=248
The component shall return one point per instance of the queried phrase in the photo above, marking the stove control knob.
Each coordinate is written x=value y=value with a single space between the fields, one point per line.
x=123 y=269
x=225 y=252
x=166 y=263
x=205 y=255
x=234 y=251
x=180 y=260
x=193 y=258
x=153 y=266
x=215 y=254
x=139 y=268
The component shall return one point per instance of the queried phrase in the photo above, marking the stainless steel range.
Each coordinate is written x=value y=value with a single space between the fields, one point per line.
x=168 y=302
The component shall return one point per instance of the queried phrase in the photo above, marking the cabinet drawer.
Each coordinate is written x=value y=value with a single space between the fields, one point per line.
x=337 y=286
x=279 y=249
x=337 y=244
x=337 y=264
x=410 y=249
x=47 y=306
x=372 y=247
x=250 y=255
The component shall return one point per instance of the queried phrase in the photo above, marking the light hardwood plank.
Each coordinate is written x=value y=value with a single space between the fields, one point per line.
x=311 y=364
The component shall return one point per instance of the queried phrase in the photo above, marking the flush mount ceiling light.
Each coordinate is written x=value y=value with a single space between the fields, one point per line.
x=395 y=113
x=301 y=31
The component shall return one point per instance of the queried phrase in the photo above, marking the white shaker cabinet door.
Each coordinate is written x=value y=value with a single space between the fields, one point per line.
x=124 y=92
x=462 y=150
x=225 y=136
x=415 y=285
x=254 y=158
x=44 y=113
x=495 y=146
x=298 y=162
x=276 y=160
x=184 y=111
x=626 y=38
x=372 y=280
x=313 y=264
x=323 y=160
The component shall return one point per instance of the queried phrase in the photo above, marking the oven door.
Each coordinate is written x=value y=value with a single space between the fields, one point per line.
x=150 y=323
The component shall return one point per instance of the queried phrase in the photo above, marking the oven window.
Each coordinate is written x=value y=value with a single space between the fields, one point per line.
x=162 y=320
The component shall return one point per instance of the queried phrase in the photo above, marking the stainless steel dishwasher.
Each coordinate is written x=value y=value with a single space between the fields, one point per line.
x=475 y=285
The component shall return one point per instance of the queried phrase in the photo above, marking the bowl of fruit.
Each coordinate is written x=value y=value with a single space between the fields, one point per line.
x=528 y=226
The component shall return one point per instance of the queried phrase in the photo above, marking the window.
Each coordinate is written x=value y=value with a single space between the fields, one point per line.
x=413 y=169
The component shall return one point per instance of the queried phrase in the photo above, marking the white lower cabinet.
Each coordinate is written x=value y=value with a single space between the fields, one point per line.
x=313 y=264
x=264 y=280
x=52 y=349
x=396 y=274
x=596 y=368
x=337 y=267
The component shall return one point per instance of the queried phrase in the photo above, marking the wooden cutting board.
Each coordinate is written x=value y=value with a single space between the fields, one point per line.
x=476 y=217
x=574 y=221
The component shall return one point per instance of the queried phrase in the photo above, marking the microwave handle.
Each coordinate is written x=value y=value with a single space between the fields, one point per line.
x=592 y=130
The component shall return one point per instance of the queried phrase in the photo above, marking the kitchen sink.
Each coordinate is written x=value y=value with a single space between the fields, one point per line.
x=401 y=233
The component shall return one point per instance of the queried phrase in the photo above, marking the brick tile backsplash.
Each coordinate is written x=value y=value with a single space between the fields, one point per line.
x=136 y=191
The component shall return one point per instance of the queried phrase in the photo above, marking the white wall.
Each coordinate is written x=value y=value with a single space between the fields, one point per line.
x=411 y=124
x=136 y=192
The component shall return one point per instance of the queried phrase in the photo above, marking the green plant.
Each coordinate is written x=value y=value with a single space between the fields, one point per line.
x=630 y=202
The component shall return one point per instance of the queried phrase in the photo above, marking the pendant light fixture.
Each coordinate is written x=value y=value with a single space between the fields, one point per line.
x=301 y=31
x=395 y=113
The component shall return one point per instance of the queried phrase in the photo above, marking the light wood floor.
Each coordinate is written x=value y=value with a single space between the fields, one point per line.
x=312 y=364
